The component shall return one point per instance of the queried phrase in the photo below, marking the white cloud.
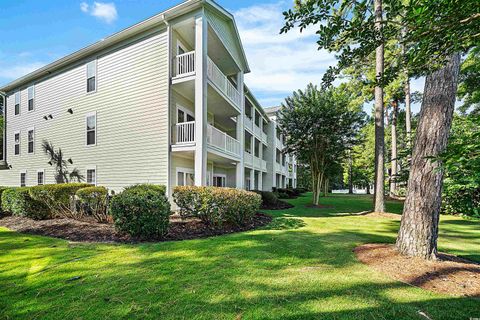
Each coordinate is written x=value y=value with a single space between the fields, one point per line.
x=101 y=10
x=12 y=72
x=280 y=63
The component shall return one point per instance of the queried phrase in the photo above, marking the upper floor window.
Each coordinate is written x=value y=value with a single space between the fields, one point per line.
x=92 y=176
x=91 y=128
x=23 y=179
x=31 y=141
x=17 y=103
x=40 y=177
x=17 y=143
x=31 y=98
x=92 y=76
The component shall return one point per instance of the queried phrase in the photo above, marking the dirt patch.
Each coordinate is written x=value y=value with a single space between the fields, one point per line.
x=89 y=231
x=383 y=215
x=319 y=206
x=448 y=275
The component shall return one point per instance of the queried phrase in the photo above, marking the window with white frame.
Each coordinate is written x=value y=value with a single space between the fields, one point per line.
x=40 y=177
x=184 y=115
x=181 y=49
x=91 y=129
x=17 y=102
x=92 y=76
x=92 y=176
x=185 y=177
x=31 y=141
x=31 y=98
x=17 y=143
x=23 y=179
x=219 y=180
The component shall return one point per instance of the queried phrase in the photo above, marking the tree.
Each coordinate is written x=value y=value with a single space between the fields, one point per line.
x=57 y=158
x=319 y=125
x=469 y=86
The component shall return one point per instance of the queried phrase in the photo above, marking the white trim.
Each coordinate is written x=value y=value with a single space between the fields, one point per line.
x=41 y=171
x=220 y=175
x=186 y=111
x=88 y=115
x=96 y=174
x=34 y=138
x=19 y=93
x=95 y=60
x=183 y=170
x=19 y=143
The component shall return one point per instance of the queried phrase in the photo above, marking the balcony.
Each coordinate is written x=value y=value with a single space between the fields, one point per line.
x=184 y=135
x=248 y=123
x=184 y=68
x=264 y=137
x=258 y=132
x=247 y=158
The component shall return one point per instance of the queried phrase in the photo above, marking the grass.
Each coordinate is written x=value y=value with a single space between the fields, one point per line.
x=300 y=267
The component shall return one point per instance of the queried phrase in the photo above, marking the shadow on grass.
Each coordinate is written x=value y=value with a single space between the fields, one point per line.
x=285 y=224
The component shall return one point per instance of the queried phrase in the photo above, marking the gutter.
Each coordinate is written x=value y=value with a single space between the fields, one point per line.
x=3 y=161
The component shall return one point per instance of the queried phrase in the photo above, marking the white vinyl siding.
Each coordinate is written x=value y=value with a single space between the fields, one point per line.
x=131 y=104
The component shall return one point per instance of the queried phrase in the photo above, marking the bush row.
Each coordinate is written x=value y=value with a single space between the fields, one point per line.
x=461 y=200
x=216 y=206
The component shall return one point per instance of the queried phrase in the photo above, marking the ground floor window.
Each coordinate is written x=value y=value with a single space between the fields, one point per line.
x=92 y=176
x=185 y=177
x=219 y=181
x=248 y=184
x=40 y=178
x=23 y=179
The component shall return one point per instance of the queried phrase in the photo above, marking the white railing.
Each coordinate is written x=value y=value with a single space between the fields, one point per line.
x=279 y=143
x=257 y=162
x=247 y=158
x=185 y=64
x=248 y=122
x=278 y=167
x=184 y=132
x=264 y=165
x=264 y=137
x=257 y=130
x=222 y=141
x=220 y=80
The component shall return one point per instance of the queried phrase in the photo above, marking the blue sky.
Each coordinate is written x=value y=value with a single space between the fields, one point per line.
x=35 y=33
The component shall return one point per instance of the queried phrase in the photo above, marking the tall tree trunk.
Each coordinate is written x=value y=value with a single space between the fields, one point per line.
x=350 y=173
x=408 y=112
x=368 y=188
x=379 y=204
x=419 y=227
x=394 y=161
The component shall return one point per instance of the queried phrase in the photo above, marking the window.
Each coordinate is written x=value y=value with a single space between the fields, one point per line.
x=184 y=115
x=17 y=103
x=23 y=179
x=180 y=48
x=91 y=129
x=31 y=97
x=92 y=176
x=17 y=143
x=92 y=76
x=31 y=141
x=40 y=177
x=185 y=177
x=219 y=180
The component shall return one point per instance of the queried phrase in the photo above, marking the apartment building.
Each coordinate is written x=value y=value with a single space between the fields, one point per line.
x=161 y=102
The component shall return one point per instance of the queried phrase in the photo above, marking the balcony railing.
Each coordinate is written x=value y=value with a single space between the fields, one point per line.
x=247 y=158
x=185 y=64
x=222 y=141
x=184 y=132
x=264 y=137
x=221 y=81
x=257 y=130
x=248 y=122
x=264 y=165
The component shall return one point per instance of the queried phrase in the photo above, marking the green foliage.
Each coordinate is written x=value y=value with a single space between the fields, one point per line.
x=94 y=202
x=320 y=125
x=215 y=206
x=461 y=162
x=141 y=211
x=57 y=197
x=469 y=83
x=269 y=199
x=57 y=158
x=1 y=191
x=17 y=201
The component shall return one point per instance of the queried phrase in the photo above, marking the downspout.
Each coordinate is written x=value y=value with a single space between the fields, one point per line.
x=169 y=131
x=3 y=161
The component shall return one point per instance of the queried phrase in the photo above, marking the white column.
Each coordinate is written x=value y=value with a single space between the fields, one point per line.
x=201 y=38
x=241 y=133
x=260 y=180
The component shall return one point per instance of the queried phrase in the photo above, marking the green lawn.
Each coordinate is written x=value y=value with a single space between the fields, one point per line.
x=301 y=267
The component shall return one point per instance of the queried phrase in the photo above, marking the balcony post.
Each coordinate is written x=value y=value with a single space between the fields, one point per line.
x=3 y=158
x=201 y=34
x=240 y=171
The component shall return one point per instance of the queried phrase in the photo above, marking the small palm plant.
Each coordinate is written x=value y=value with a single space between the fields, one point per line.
x=57 y=159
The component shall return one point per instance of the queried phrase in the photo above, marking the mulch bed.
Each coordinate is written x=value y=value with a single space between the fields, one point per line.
x=448 y=275
x=90 y=231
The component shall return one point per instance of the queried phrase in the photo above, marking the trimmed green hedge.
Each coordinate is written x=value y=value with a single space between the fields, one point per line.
x=93 y=201
x=18 y=202
x=215 y=206
x=1 y=191
x=57 y=197
x=141 y=211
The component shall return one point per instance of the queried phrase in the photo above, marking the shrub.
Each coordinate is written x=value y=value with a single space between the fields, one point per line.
x=58 y=197
x=1 y=191
x=93 y=201
x=18 y=202
x=142 y=211
x=215 y=206
x=268 y=198
x=461 y=200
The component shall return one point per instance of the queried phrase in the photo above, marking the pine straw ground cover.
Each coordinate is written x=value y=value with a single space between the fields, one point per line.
x=302 y=266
